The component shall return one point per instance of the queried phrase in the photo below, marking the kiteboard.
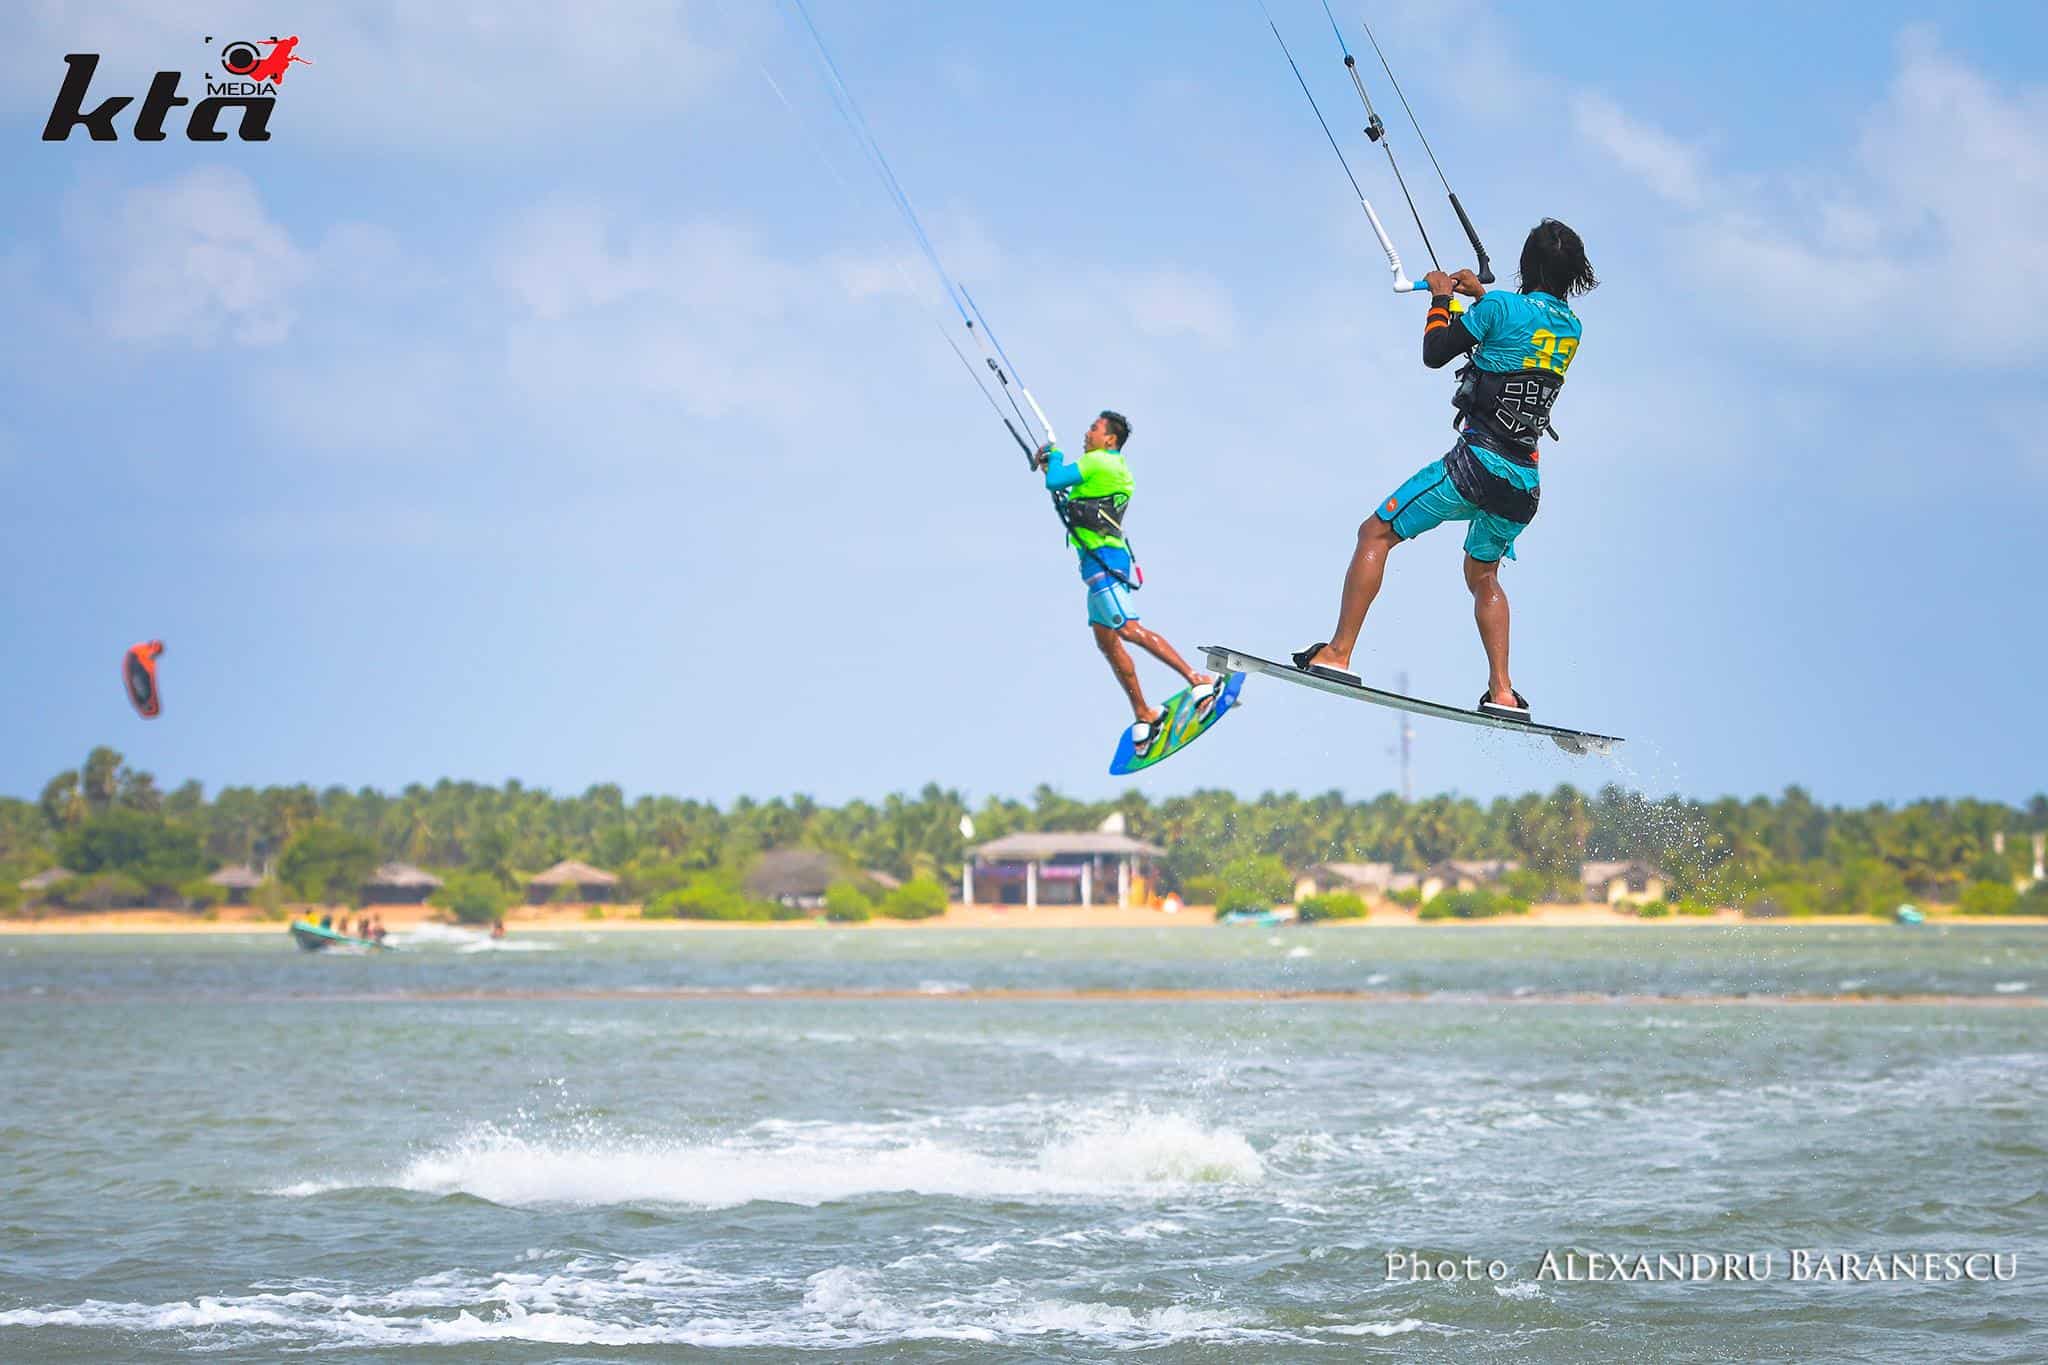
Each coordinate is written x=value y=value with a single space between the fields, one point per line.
x=1184 y=725
x=1571 y=741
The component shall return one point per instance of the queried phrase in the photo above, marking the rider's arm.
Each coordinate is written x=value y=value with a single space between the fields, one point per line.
x=1060 y=472
x=1444 y=337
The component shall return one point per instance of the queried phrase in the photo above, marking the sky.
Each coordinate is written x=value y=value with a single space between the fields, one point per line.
x=561 y=399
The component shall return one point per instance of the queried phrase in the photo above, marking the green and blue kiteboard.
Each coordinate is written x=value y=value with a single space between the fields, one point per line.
x=1184 y=725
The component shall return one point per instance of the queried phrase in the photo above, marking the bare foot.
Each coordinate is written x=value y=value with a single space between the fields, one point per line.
x=1330 y=658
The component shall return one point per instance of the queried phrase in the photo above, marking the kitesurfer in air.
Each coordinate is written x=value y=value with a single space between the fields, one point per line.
x=1092 y=494
x=1520 y=345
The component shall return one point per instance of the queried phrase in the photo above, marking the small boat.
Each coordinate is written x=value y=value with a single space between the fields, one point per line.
x=1907 y=914
x=313 y=938
x=1267 y=918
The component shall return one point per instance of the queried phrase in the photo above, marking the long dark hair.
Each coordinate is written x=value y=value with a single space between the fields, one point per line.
x=1554 y=261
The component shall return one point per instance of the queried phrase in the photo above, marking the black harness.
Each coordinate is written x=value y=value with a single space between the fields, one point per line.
x=1487 y=490
x=1105 y=517
x=1508 y=410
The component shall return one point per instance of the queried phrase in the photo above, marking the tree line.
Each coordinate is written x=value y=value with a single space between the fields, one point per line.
x=107 y=820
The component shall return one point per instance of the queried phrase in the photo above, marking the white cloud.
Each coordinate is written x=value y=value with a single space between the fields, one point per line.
x=1171 y=302
x=1948 y=182
x=1669 y=167
x=195 y=260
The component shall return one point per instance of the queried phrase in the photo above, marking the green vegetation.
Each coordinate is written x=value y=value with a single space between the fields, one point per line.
x=472 y=897
x=1331 y=905
x=709 y=897
x=846 y=903
x=918 y=898
x=136 y=844
x=1530 y=885
x=1788 y=855
x=270 y=899
x=1471 y=905
x=101 y=891
x=1410 y=896
x=1258 y=882
x=1988 y=898
x=1857 y=886
x=1652 y=910
x=325 y=862
x=201 y=894
x=1691 y=907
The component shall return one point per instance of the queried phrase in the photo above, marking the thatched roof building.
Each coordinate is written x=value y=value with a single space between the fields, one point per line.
x=795 y=876
x=238 y=881
x=1366 y=879
x=46 y=879
x=399 y=884
x=589 y=884
x=1615 y=882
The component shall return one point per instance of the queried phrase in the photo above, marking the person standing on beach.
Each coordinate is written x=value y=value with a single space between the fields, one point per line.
x=1092 y=494
x=1521 y=345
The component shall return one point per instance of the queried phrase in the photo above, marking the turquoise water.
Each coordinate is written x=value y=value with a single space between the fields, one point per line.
x=575 y=1146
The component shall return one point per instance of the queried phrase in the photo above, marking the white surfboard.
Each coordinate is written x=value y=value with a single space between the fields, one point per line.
x=1222 y=658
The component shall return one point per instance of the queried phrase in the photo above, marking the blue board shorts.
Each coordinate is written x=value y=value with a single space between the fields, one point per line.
x=1429 y=499
x=1109 y=603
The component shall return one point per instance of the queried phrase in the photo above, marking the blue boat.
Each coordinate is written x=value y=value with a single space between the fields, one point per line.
x=313 y=938
x=1268 y=918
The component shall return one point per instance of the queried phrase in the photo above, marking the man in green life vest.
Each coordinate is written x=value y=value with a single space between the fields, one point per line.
x=1092 y=494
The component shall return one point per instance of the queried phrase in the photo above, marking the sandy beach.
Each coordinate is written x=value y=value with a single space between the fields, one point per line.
x=626 y=919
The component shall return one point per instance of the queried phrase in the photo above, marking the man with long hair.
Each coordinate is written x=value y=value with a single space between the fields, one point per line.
x=1093 y=494
x=1521 y=344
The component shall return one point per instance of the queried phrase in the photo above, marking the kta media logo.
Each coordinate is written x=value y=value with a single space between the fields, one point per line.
x=242 y=58
x=255 y=75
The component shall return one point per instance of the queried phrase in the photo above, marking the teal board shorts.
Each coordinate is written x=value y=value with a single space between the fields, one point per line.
x=1429 y=499
x=1109 y=603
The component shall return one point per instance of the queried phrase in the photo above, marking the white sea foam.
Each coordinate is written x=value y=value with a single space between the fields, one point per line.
x=1379 y=1329
x=427 y=934
x=2010 y=987
x=1093 y=1154
x=510 y=945
x=858 y=1298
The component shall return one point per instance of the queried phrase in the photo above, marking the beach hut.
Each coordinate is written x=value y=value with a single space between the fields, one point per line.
x=591 y=884
x=1463 y=874
x=1366 y=879
x=35 y=886
x=1611 y=883
x=399 y=884
x=238 y=881
x=1057 y=868
x=795 y=877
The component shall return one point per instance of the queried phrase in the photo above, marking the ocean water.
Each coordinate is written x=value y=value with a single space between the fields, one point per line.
x=1209 y=1145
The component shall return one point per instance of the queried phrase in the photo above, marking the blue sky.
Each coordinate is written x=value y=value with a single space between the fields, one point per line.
x=546 y=400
